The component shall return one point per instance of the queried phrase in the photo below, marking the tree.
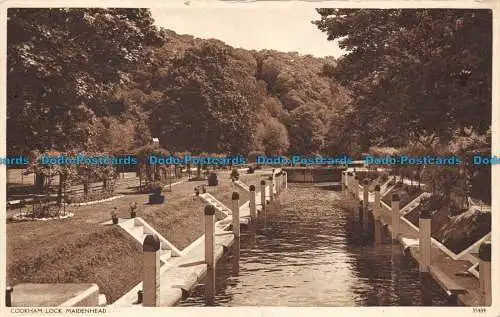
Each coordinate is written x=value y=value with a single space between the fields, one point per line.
x=414 y=71
x=63 y=66
x=209 y=102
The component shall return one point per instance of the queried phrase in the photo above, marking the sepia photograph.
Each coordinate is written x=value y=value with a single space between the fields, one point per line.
x=248 y=155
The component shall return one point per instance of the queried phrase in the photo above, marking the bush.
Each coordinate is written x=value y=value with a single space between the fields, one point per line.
x=212 y=179
x=250 y=170
x=235 y=174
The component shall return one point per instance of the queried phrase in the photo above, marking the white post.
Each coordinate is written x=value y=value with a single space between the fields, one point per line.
x=263 y=197
x=209 y=253
x=151 y=271
x=278 y=184
x=253 y=209
x=342 y=183
x=356 y=189
x=235 y=213
x=395 y=216
x=377 y=199
x=377 y=231
x=425 y=246
x=365 y=195
x=347 y=184
x=271 y=191
x=485 y=273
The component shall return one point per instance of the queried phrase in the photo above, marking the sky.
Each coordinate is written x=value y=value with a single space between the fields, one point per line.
x=286 y=29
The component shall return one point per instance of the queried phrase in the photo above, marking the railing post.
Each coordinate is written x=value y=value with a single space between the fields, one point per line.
x=425 y=246
x=263 y=197
x=278 y=184
x=356 y=189
x=485 y=273
x=8 y=296
x=342 y=183
x=151 y=271
x=271 y=191
x=253 y=209
x=365 y=195
x=395 y=216
x=348 y=185
x=377 y=198
x=377 y=231
x=236 y=214
x=209 y=253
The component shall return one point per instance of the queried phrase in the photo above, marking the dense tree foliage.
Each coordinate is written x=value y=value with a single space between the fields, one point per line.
x=413 y=72
x=63 y=66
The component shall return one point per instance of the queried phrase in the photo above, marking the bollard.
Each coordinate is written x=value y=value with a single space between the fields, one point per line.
x=151 y=271
x=365 y=194
x=485 y=273
x=263 y=196
x=8 y=296
x=236 y=214
x=424 y=242
x=209 y=253
x=377 y=198
x=253 y=208
x=395 y=216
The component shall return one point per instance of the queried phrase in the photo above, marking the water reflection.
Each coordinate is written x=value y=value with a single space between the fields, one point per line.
x=310 y=253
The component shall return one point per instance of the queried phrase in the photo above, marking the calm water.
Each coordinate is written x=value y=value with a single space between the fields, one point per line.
x=314 y=254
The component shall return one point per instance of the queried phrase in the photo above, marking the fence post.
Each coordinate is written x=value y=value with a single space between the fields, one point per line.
x=271 y=191
x=348 y=185
x=253 y=209
x=236 y=214
x=263 y=197
x=209 y=253
x=151 y=273
x=377 y=231
x=8 y=296
x=485 y=273
x=356 y=187
x=377 y=198
x=365 y=195
x=424 y=234
x=395 y=216
x=278 y=184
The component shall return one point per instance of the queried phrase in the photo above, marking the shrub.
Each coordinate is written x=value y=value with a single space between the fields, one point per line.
x=250 y=170
x=235 y=174
x=155 y=188
x=212 y=179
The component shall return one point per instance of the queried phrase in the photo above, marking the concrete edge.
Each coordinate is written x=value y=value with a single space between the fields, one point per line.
x=175 y=251
x=82 y=296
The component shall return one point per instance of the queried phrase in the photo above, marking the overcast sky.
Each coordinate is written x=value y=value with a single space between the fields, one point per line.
x=284 y=29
